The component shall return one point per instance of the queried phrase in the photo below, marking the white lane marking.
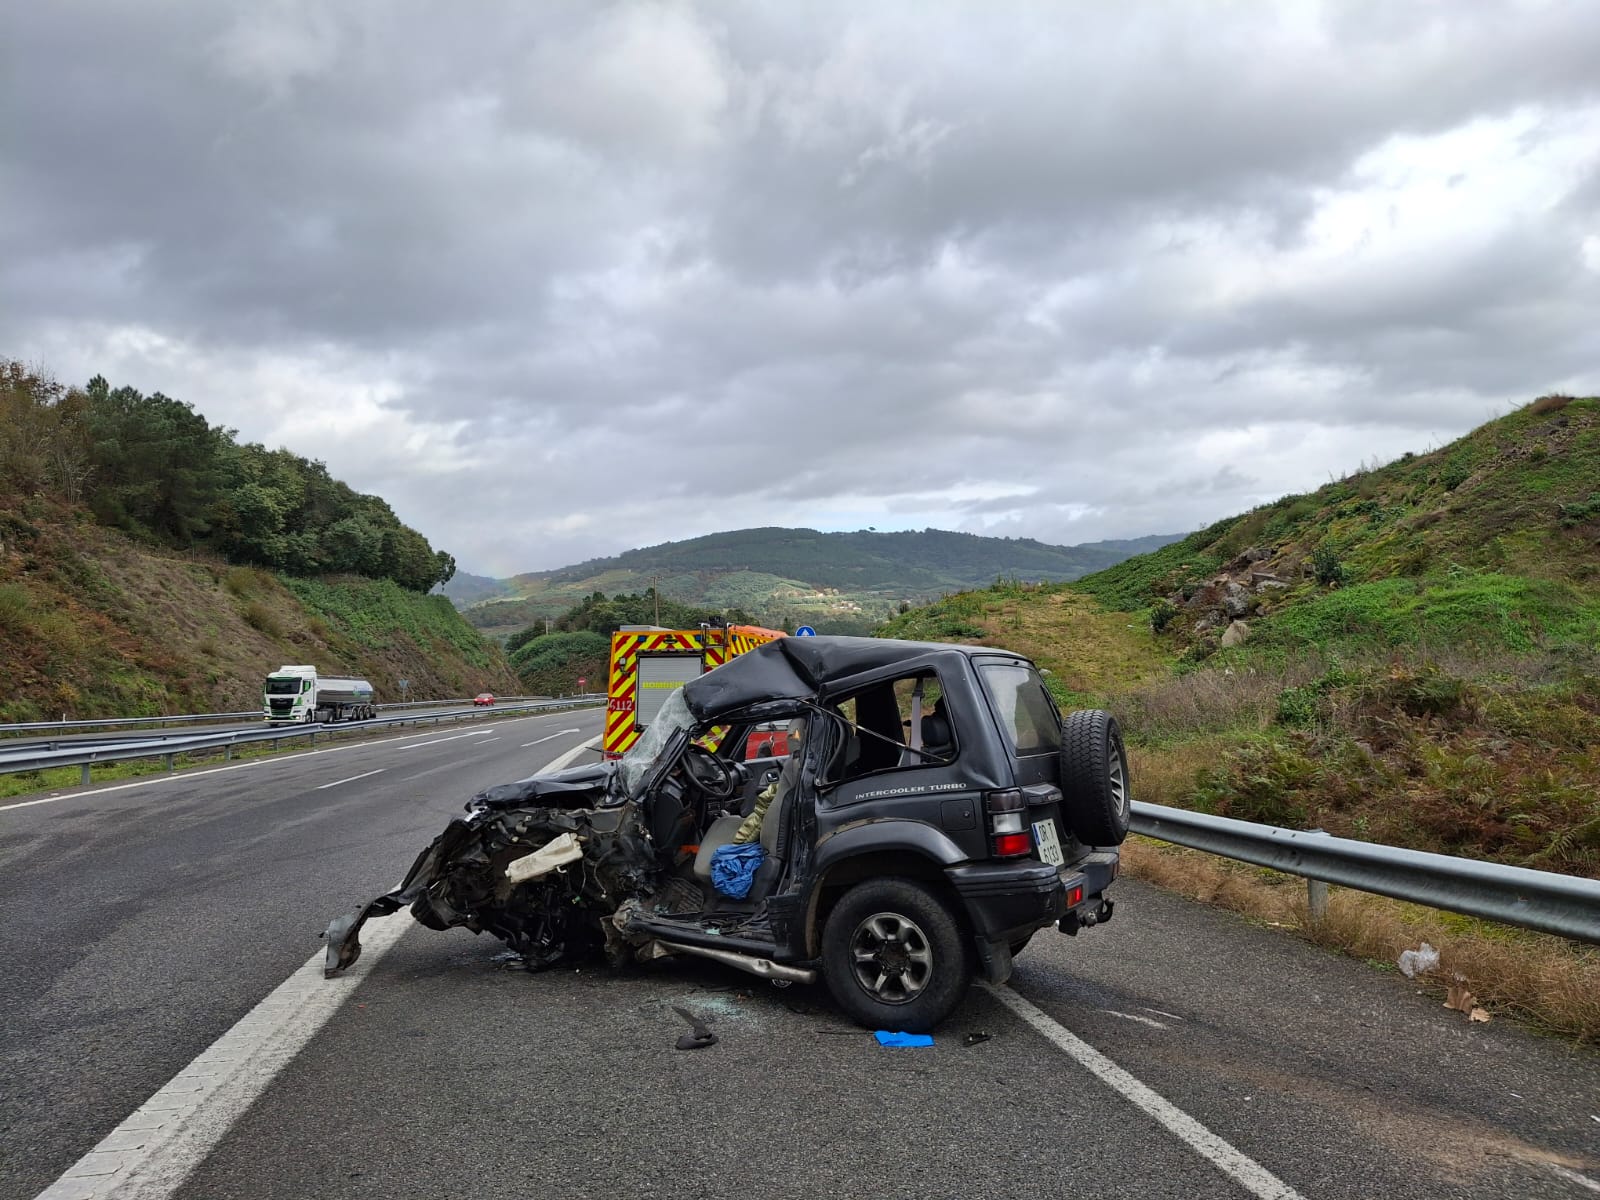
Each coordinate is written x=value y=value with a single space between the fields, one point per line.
x=352 y=778
x=451 y=738
x=1582 y=1181
x=1159 y=1013
x=548 y=737
x=1150 y=1021
x=149 y=1155
x=169 y=777
x=1246 y=1172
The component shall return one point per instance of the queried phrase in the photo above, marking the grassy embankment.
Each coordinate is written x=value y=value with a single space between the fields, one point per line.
x=93 y=623
x=1421 y=667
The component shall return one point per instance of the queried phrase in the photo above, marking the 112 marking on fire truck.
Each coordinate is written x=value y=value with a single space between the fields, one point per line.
x=648 y=662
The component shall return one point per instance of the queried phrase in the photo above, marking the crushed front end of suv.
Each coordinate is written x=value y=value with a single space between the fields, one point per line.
x=933 y=811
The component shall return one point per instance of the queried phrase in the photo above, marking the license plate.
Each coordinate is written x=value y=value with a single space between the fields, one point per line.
x=1044 y=836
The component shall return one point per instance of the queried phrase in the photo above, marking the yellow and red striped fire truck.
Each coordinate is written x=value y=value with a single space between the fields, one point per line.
x=647 y=663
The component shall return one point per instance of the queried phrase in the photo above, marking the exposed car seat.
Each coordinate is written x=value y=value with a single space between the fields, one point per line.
x=937 y=737
x=720 y=834
x=723 y=829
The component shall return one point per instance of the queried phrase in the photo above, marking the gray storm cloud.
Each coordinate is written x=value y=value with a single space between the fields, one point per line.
x=560 y=279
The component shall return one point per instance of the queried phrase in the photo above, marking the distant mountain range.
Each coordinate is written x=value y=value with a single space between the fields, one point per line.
x=838 y=582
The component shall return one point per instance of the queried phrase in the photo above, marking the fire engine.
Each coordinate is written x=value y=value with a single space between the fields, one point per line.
x=647 y=662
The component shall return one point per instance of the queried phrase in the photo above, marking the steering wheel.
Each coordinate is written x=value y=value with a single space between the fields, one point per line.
x=716 y=778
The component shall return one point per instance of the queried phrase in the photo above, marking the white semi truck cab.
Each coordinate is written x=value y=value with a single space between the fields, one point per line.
x=298 y=695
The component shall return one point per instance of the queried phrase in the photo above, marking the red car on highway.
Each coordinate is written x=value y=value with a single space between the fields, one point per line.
x=483 y=698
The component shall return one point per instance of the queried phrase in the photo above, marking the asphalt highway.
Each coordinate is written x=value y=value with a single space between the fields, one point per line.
x=1178 y=1051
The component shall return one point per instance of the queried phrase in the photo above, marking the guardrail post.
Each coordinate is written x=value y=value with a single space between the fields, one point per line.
x=168 y=757
x=1317 y=889
x=227 y=753
x=85 y=781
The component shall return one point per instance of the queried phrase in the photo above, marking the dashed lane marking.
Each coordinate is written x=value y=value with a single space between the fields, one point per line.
x=451 y=738
x=548 y=737
x=1243 y=1170
x=149 y=1155
x=352 y=779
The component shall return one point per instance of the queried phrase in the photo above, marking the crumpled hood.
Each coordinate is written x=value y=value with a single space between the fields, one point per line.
x=585 y=780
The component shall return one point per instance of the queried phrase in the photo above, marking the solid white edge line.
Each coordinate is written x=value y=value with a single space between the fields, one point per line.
x=169 y=777
x=150 y=1154
x=1244 y=1171
x=352 y=778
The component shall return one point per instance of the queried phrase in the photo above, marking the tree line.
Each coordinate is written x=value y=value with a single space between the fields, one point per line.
x=155 y=468
x=599 y=613
x=577 y=644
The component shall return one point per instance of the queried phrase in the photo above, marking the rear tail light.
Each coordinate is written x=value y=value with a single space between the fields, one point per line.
x=1074 y=896
x=1007 y=827
x=1012 y=845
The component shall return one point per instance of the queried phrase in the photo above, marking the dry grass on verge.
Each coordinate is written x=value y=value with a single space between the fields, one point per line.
x=1166 y=774
x=1544 y=980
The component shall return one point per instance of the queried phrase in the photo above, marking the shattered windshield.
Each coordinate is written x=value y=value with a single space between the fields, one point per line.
x=635 y=764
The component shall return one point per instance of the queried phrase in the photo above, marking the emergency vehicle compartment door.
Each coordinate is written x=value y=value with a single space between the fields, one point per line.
x=658 y=675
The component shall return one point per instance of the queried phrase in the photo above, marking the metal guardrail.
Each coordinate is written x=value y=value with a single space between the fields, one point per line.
x=107 y=722
x=33 y=759
x=1566 y=905
x=183 y=718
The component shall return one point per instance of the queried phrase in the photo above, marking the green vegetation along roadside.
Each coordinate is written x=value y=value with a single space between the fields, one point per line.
x=93 y=623
x=1410 y=655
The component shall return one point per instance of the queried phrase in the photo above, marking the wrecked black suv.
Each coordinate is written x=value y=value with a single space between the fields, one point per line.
x=935 y=811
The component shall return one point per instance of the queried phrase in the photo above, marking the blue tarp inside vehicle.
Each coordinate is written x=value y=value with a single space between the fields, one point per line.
x=733 y=867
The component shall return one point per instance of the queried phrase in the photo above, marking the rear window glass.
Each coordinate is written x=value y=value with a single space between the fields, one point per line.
x=1025 y=710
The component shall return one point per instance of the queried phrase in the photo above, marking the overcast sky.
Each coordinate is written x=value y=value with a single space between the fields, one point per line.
x=558 y=279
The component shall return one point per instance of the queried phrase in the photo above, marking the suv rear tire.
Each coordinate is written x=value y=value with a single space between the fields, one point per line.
x=894 y=956
x=1094 y=778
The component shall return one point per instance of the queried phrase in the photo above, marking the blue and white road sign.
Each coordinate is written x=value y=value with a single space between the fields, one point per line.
x=805 y=631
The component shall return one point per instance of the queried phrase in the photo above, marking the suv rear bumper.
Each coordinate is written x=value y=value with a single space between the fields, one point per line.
x=1005 y=902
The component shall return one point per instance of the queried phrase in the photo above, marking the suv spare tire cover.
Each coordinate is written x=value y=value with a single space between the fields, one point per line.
x=1097 y=800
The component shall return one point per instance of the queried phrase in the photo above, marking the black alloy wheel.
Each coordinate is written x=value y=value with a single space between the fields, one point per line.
x=894 y=956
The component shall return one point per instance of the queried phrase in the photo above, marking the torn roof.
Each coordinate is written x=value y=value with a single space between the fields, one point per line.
x=797 y=668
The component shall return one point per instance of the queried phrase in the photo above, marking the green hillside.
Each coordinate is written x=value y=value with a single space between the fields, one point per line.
x=1518 y=497
x=150 y=564
x=1409 y=655
x=839 y=582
